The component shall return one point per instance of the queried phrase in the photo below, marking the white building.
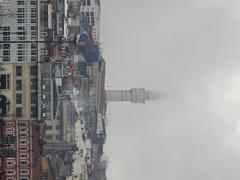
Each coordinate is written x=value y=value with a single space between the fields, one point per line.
x=22 y=32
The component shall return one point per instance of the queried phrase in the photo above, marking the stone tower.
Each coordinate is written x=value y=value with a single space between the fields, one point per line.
x=133 y=95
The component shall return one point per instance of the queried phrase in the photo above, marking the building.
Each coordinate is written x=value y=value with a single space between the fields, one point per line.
x=19 y=112
x=86 y=15
x=133 y=95
x=20 y=158
x=18 y=91
x=19 y=53
x=22 y=28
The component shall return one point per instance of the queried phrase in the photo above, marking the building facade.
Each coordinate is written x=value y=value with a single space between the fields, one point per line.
x=18 y=114
x=18 y=91
x=22 y=28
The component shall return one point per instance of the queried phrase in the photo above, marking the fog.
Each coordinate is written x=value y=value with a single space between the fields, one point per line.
x=190 y=50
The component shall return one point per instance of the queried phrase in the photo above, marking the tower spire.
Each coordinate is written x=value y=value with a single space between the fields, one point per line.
x=134 y=95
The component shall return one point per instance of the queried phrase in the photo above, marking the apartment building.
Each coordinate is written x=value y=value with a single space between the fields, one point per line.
x=18 y=113
x=19 y=110
x=20 y=33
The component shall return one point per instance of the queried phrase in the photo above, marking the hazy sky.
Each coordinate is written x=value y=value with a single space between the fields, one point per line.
x=191 y=50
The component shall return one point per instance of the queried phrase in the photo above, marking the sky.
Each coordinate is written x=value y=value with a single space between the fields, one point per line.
x=188 y=49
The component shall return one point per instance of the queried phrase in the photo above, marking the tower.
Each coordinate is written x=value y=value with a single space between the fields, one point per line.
x=133 y=95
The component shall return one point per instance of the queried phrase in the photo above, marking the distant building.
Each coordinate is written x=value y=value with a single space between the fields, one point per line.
x=133 y=95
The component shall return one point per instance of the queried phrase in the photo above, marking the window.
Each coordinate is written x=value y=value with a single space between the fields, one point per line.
x=21 y=46
x=20 y=58
x=23 y=124
x=6 y=46
x=21 y=28
x=10 y=172
x=92 y=18
x=6 y=38
x=23 y=135
x=9 y=131
x=6 y=58
x=6 y=33
x=33 y=10
x=34 y=15
x=10 y=178
x=18 y=112
x=44 y=176
x=58 y=127
x=33 y=20
x=20 y=10
x=20 y=20
x=6 y=52
x=11 y=148
x=21 y=33
x=34 y=98
x=33 y=46
x=24 y=155
x=21 y=38
x=4 y=81
x=33 y=58
x=24 y=162
x=20 y=15
x=33 y=2
x=23 y=129
x=20 y=52
x=18 y=70
x=20 y=2
x=18 y=98
x=7 y=28
x=49 y=137
x=10 y=162
x=34 y=71
x=49 y=127
x=58 y=137
x=18 y=85
x=33 y=52
x=33 y=28
x=34 y=112
x=33 y=33
x=23 y=142
x=83 y=2
x=34 y=84
x=89 y=2
x=82 y=14
x=23 y=148
x=24 y=172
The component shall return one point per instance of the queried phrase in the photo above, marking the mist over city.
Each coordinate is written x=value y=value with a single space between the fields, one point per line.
x=119 y=90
